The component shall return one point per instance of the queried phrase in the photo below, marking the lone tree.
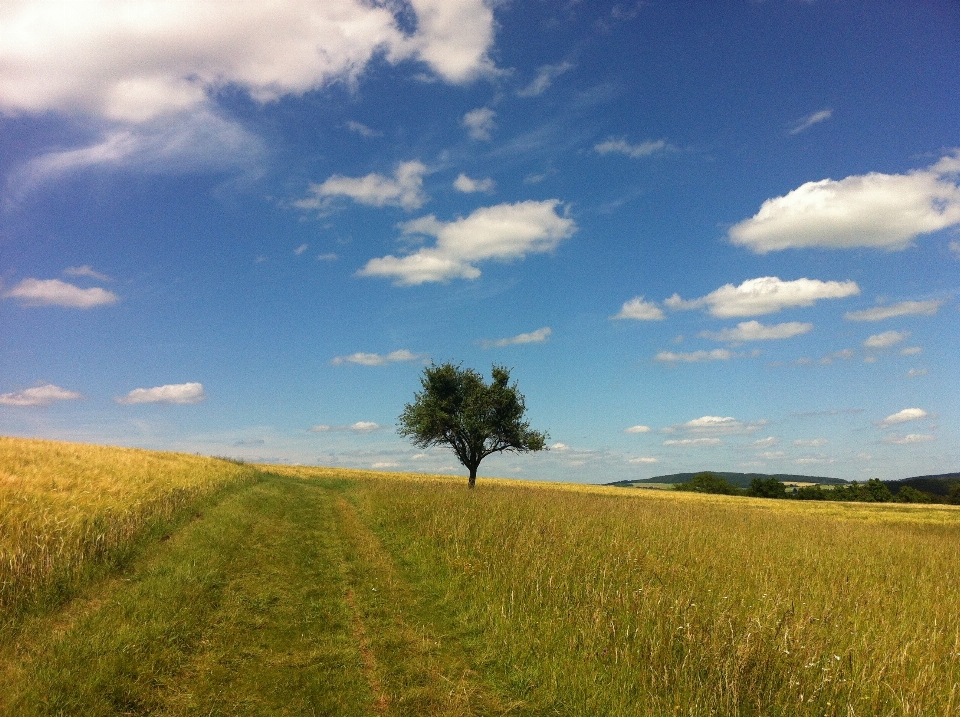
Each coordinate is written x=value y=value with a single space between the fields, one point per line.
x=456 y=408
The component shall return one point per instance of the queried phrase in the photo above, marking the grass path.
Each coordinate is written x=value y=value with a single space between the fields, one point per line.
x=278 y=600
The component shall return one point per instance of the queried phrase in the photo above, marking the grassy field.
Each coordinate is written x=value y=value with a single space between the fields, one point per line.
x=307 y=591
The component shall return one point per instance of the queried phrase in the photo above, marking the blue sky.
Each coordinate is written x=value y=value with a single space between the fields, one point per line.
x=715 y=235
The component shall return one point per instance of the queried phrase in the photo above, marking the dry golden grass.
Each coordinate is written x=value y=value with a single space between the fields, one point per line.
x=65 y=507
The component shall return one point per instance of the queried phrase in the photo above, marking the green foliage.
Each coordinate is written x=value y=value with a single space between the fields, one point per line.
x=708 y=482
x=954 y=496
x=911 y=495
x=458 y=409
x=767 y=488
x=810 y=492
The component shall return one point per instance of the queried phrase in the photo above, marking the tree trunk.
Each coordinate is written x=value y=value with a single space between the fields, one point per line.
x=473 y=478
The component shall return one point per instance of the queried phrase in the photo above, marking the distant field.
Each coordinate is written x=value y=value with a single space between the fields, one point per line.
x=325 y=591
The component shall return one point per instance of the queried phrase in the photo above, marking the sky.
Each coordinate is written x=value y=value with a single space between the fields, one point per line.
x=702 y=235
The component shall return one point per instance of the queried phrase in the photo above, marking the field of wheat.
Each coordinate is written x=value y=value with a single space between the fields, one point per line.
x=66 y=508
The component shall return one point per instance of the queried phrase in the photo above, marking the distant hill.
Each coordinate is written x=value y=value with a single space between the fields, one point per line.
x=741 y=480
x=934 y=485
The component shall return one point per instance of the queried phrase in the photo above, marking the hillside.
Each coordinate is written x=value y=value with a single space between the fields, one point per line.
x=939 y=485
x=741 y=480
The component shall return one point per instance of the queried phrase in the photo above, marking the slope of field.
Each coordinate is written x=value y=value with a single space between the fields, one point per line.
x=333 y=592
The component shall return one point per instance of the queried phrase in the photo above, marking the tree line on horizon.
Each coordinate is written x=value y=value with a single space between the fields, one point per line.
x=871 y=491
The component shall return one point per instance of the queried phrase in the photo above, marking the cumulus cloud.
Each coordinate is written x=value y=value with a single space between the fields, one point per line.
x=635 y=151
x=362 y=129
x=695 y=356
x=637 y=429
x=358 y=427
x=886 y=339
x=403 y=189
x=643 y=459
x=182 y=393
x=479 y=123
x=911 y=351
x=884 y=211
x=134 y=61
x=907 y=414
x=544 y=78
x=365 y=359
x=693 y=442
x=53 y=292
x=765 y=295
x=811 y=442
x=755 y=331
x=810 y=120
x=502 y=232
x=533 y=337
x=717 y=426
x=640 y=310
x=43 y=395
x=767 y=442
x=909 y=439
x=904 y=308
x=464 y=184
x=87 y=271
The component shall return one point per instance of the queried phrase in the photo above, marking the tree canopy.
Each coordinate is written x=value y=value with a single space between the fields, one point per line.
x=457 y=408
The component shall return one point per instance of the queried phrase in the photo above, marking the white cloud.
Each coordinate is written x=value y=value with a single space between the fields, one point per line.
x=365 y=359
x=503 y=232
x=765 y=295
x=381 y=465
x=533 y=337
x=86 y=270
x=643 y=459
x=300 y=249
x=362 y=129
x=955 y=248
x=911 y=351
x=717 y=426
x=321 y=428
x=404 y=189
x=810 y=120
x=886 y=339
x=695 y=356
x=904 y=308
x=464 y=184
x=479 y=123
x=907 y=414
x=886 y=211
x=136 y=60
x=640 y=310
x=637 y=429
x=545 y=77
x=635 y=151
x=42 y=395
x=365 y=427
x=914 y=372
x=693 y=442
x=53 y=292
x=909 y=439
x=765 y=442
x=560 y=447
x=182 y=393
x=755 y=331
x=811 y=442
x=358 y=427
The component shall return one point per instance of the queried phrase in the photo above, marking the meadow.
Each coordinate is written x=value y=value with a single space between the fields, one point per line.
x=324 y=591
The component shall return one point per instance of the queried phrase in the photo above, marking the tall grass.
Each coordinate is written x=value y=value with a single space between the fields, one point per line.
x=67 y=508
x=646 y=604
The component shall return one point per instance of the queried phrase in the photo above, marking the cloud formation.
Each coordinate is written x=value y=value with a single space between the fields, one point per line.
x=755 y=331
x=695 y=356
x=909 y=439
x=717 y=426
x=502 y=232
x=765 y=295
x=365 y=359
x=904 y=308
x=479 y=123
x=904 y=416
x=179 y=393
x=644 y=459
x=637 y=429
x=640 y=310
x=43 y=395
x=53 y=292
x=545 y=77
x=87 y=271
x=634 y=151
x=464 y=184
x=693 y=442
x=135 y=61
x=358 y=427
x=533 y=337
x=810 y=120
x=883 y=211
x=403 y=189
x=886 y=339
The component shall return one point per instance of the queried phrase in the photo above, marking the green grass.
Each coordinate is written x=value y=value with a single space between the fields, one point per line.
x=320 y=591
